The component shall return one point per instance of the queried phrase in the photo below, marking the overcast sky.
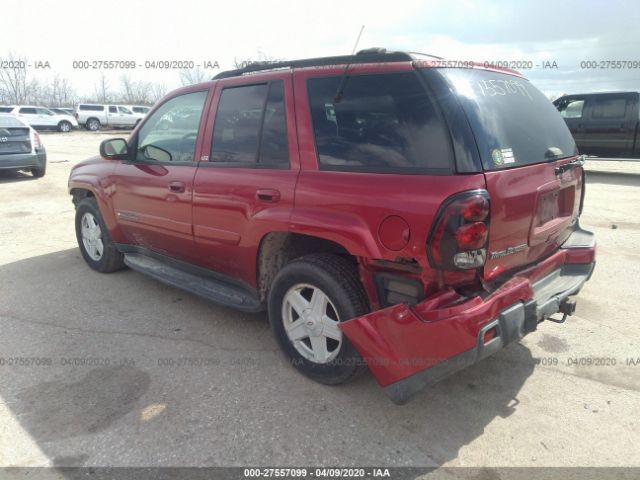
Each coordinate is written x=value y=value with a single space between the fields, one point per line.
x=566 y=32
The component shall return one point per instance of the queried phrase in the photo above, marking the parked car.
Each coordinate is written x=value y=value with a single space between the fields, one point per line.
x=62 y=110
x=603 y=124
x=139 y=109
x=93 y=117
x=412 y=218
x=21 y=147
x=43 y=118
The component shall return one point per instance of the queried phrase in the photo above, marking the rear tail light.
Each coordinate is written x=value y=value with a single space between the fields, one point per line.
x=459 y=237
x=37 y=143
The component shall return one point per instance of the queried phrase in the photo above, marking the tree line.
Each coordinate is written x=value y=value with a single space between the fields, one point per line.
x=18 y=87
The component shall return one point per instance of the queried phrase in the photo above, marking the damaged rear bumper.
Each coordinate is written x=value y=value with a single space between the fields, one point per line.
x=408 y=348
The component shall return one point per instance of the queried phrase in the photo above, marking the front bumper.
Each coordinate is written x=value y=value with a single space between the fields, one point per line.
x=411 y=347
x=16 y=161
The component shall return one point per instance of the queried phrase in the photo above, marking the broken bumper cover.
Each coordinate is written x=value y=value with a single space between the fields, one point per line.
x=408 y=348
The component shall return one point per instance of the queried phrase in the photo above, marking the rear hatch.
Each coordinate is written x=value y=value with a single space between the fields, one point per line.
x=529 y=162
x=14 y=140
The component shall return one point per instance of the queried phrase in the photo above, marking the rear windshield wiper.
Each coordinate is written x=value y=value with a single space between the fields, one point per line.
x=578 y=162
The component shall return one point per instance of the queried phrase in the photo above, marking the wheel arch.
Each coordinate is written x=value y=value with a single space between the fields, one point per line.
x=276 y=249
x=93 y=117
x=79 y=191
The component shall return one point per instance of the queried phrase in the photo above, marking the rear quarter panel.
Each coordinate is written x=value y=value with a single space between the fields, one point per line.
x=349 y=207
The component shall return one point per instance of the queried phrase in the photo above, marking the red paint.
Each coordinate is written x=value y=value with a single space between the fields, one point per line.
x=522 y=205
x=402 y=340
x=394 y=233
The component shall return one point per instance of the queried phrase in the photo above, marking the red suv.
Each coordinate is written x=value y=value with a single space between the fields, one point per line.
x=386 y=209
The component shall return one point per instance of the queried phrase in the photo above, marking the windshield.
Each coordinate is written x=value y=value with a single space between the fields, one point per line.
x=513 y=122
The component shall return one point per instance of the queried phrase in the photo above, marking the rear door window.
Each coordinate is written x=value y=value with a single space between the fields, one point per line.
x=382 y=123
x=250 y=127
x=604 y=108
x=28 y=111
x=92 y=108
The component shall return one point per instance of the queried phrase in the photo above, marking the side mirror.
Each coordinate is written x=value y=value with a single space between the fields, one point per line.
x=114 y=149
x=158 y=154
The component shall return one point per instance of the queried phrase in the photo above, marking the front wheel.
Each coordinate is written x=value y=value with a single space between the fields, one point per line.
x=93 y=238
x=64 y=126
x=308 y=299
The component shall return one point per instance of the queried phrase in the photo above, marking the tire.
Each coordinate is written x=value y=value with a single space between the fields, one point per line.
x=93 y=124
x=95 y=245
x=337 y=278
x=39 y=172
x=64 y=126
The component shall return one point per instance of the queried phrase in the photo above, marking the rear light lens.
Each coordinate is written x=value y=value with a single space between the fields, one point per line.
x=460 y=234
x=475 y=208
x=472 y=236
x=37 y=143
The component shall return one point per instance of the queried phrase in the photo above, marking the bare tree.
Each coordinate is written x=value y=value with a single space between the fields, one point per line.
x=193 y=75
x=14 y=81
x=158 y=90
x=134 y=92
x=101 y=90
x=260 y=58
x=59 y=92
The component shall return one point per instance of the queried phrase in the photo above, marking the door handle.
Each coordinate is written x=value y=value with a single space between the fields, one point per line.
x=177 y=187
x=270 y=195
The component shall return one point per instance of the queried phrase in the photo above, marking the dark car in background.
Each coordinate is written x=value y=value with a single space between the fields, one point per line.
x=21 y=147
x=603 y=124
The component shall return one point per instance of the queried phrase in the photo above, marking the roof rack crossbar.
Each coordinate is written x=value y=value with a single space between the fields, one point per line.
x=318 y=62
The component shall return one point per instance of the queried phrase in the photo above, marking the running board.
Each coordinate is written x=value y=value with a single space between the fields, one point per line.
x=213 y=289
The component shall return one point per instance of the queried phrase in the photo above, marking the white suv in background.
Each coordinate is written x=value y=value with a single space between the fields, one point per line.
x=40 y=117
x=94 y=116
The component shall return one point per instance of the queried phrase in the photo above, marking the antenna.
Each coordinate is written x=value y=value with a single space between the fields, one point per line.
x=338 y=97
x=357 y=40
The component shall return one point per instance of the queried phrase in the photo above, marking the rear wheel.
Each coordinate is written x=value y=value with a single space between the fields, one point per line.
x=93 y=238
x=93 y=124
x=64 y=126
x=308 y=299
x=39 y=172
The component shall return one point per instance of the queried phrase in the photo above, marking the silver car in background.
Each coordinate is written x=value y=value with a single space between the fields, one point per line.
x=21 y=147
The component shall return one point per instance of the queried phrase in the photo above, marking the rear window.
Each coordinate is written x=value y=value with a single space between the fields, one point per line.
x=6 y=109
x=9 y=121
x=92 y=108
x=384 y=123
x=513 y=122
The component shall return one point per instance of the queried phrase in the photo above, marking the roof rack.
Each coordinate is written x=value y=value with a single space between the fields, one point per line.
x=370 y=55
